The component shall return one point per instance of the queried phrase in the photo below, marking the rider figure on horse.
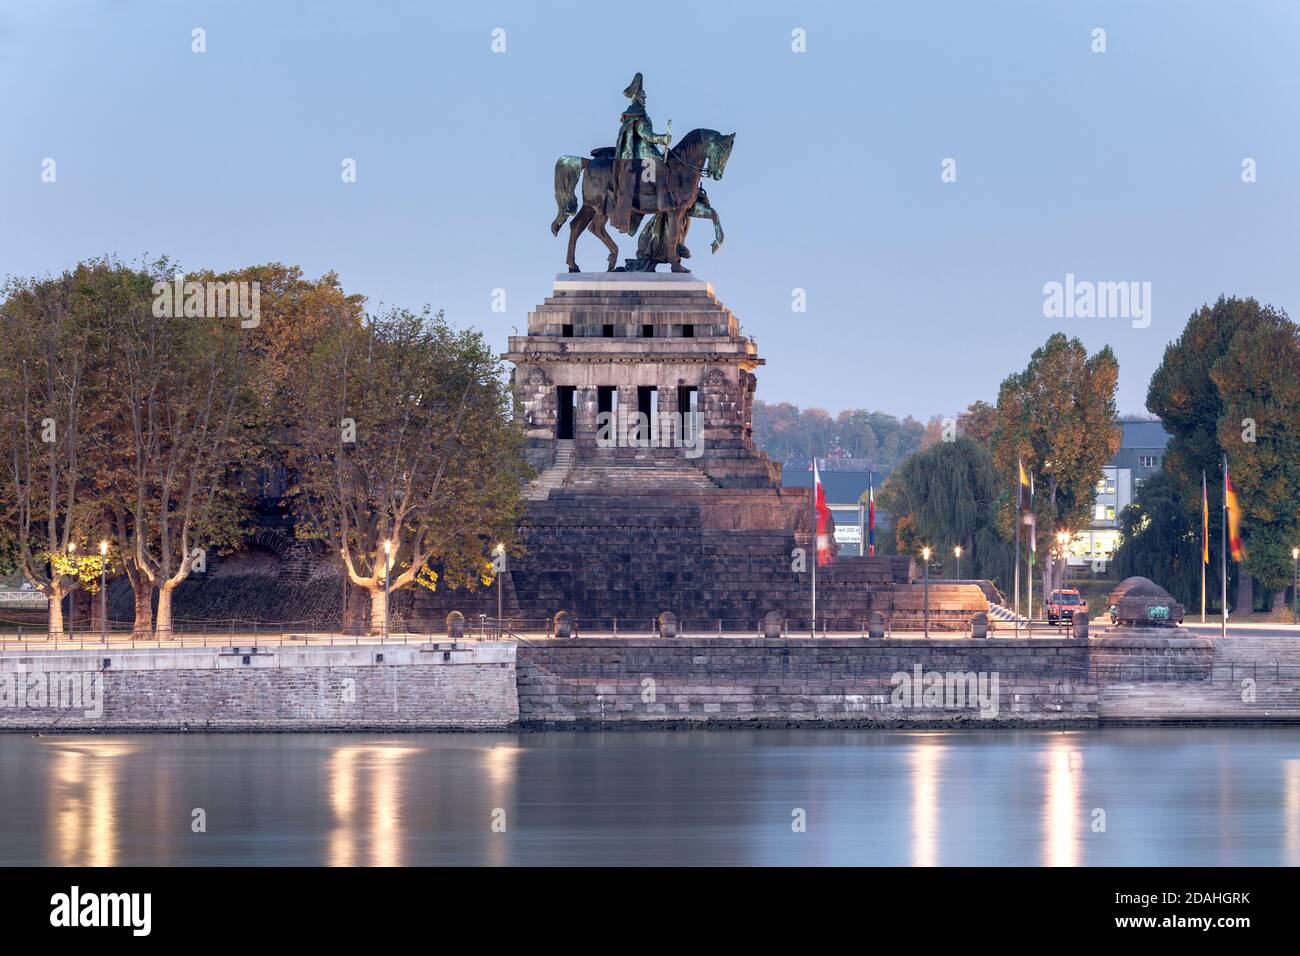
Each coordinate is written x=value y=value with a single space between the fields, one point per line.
x=637 y=144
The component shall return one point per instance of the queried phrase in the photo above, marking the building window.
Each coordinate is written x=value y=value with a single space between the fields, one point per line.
x=566 y=331
x=688 y=331
x=607 y=331
x=1148 y=461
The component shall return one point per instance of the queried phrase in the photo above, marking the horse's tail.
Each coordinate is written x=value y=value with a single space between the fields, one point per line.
x=568 y=170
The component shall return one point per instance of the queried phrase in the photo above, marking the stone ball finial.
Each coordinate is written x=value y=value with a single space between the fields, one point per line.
x=876 y=625
x=772 y=622
x=563 y=624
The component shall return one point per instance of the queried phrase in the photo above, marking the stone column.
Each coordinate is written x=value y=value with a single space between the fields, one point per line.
x=584 y=416
x=627 y=408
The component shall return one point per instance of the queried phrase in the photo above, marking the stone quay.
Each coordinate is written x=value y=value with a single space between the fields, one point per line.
x=654 y=683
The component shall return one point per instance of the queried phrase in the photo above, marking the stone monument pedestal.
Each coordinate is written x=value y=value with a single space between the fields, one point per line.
x=635 y=393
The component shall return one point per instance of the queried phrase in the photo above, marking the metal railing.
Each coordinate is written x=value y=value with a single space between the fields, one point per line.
x=481 y=626
x=549 y=651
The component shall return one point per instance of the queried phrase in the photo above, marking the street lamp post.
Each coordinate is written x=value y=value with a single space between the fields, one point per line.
x=388 y=564
x=1063 y=543
x=1295 y=578
x=957 y=551
x=501 y=567
x=103 y=592
x=72 y=553
x=925 y=556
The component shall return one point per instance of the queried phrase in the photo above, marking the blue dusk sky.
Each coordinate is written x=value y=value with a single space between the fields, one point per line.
x=922 y=295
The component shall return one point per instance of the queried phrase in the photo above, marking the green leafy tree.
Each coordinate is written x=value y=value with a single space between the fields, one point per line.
x=1258 y=378
x=1195 y=411
x=947 y=496
x=1160 y=541
x=1058 y=416
x=404 y=436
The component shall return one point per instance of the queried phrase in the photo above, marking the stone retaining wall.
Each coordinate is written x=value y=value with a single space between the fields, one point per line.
x=273 y=688
x=646 y=681
x=841 y=681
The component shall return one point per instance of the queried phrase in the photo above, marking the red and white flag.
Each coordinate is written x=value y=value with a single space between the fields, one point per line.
x=823 y=518
x=871 y=520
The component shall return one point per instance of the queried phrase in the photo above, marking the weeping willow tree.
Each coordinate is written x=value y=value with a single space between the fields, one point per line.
x=1161 y=541
x=947 y=496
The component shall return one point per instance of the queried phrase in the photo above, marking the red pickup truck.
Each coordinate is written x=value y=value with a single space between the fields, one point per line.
x=1062 y=604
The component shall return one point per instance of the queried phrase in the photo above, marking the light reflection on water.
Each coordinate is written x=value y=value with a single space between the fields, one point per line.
x=1175 y=796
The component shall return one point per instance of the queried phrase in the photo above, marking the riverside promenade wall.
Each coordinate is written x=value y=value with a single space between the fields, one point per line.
x=434 y=686
x=824 y=681
x=855 y=682
x=650 y=682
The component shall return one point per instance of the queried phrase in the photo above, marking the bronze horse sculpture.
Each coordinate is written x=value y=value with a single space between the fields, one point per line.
x=700 y=152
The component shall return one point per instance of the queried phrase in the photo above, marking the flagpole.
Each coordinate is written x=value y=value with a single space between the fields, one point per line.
x=1223 y=552
x=1205 y=537
x=815 y=545
x=1031 y=558
x=862 y=529
x=1019 y=468
x=871 y=513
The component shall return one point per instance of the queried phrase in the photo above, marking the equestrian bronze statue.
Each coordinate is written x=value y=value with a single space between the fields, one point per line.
x=624 y=183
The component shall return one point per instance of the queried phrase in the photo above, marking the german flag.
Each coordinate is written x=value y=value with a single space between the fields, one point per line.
x=1234 y=518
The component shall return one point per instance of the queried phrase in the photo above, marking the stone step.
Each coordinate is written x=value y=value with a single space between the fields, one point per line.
x=623 y=477
x=540 y=488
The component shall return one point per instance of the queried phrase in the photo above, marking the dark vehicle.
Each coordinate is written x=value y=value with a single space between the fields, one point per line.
x=1062 y=604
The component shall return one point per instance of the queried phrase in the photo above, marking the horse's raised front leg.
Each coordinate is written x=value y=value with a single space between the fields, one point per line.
x=578 y=224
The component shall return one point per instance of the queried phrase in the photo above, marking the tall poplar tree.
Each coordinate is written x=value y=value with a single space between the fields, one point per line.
x=1058 y=417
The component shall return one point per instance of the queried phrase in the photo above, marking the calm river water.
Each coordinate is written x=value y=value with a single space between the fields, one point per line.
x=1169 y=796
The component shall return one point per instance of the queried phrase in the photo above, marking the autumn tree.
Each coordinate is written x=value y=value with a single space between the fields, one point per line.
x=404 y=436
x=1058 y=417
x=790 y=434
x=52 y=406
x=180 y=385
x=978 y=422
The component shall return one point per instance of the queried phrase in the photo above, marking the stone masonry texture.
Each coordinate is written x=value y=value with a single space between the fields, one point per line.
x=414 y=687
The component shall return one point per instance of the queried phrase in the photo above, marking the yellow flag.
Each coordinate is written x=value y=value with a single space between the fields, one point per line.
x=1205 y=521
